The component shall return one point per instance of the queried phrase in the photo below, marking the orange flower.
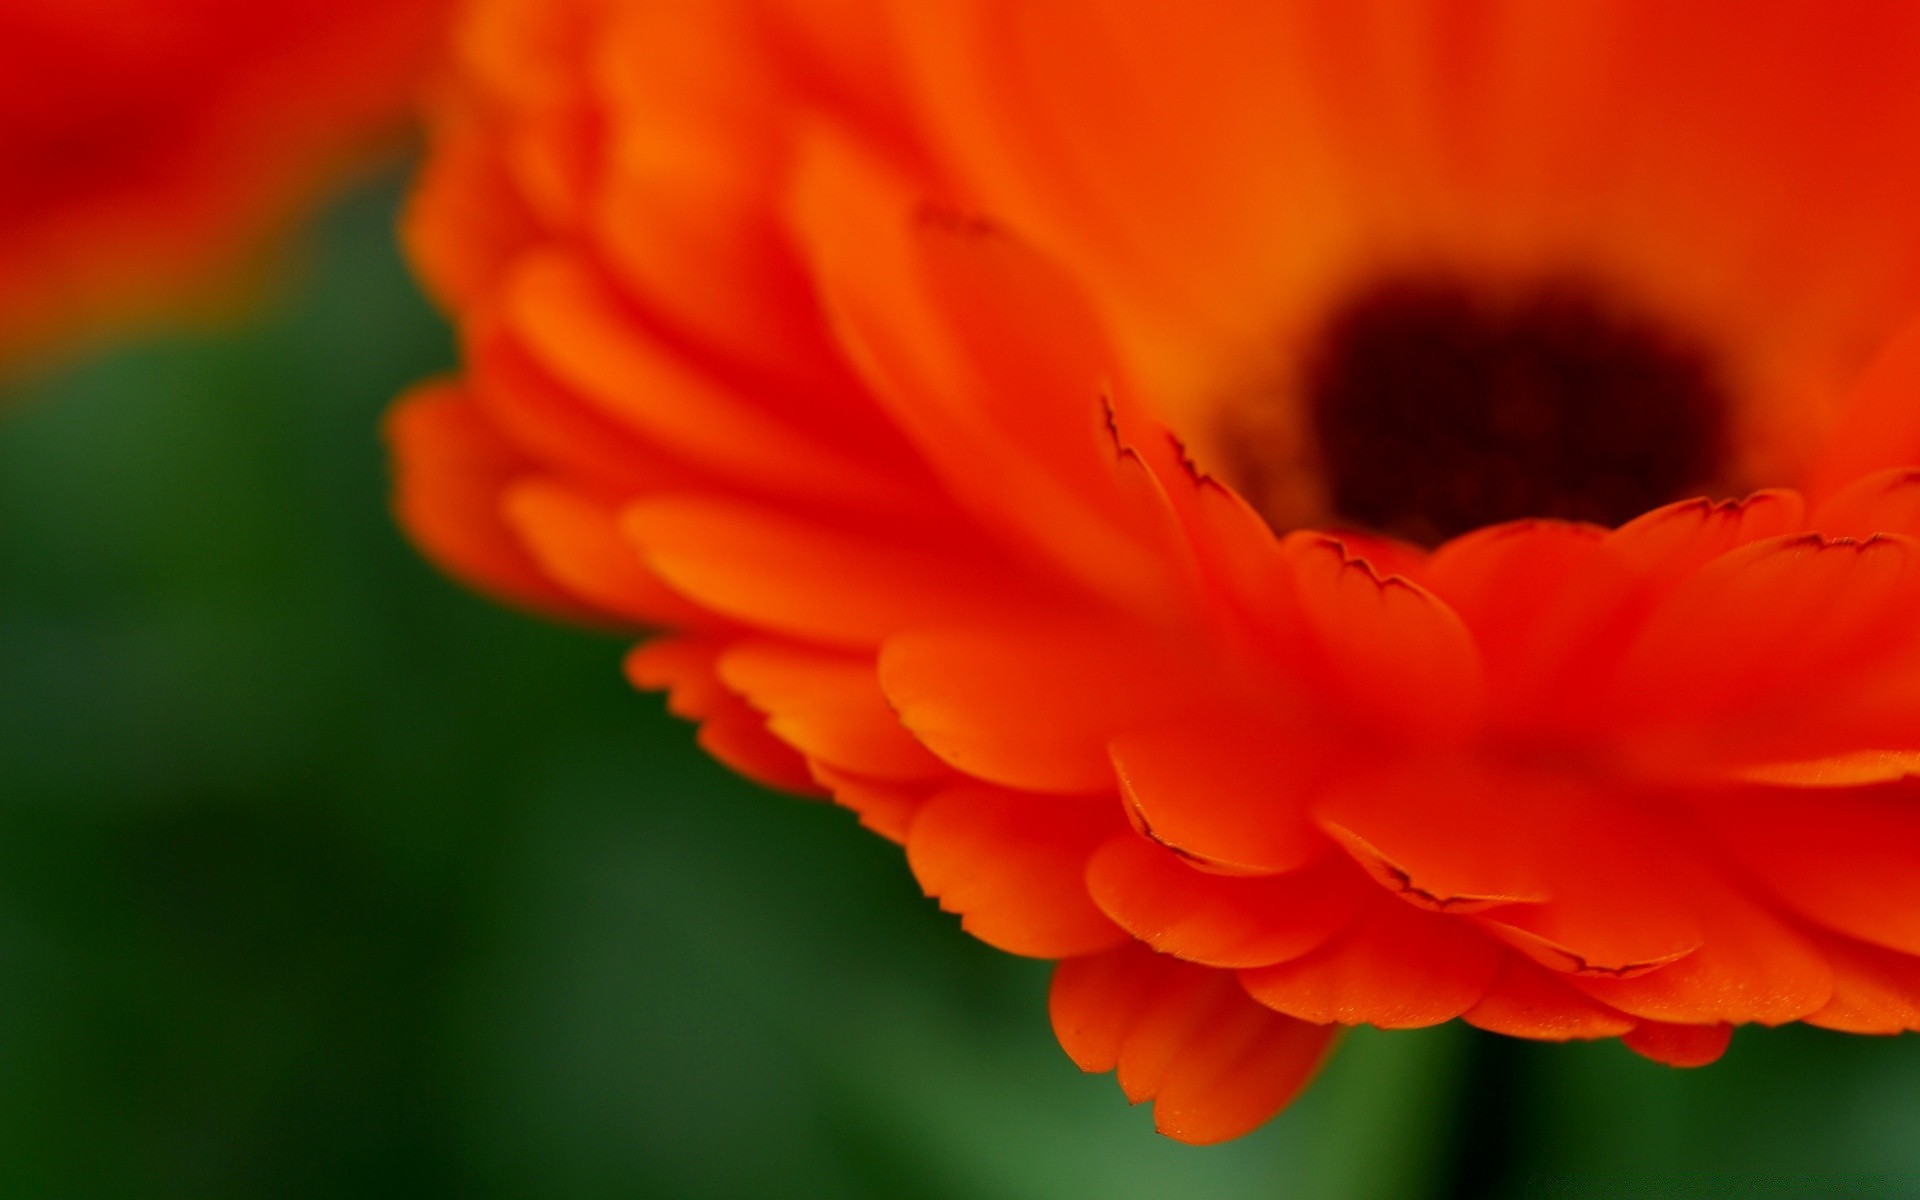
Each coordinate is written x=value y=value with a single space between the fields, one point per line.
x=145 y=147
x=1214 y=482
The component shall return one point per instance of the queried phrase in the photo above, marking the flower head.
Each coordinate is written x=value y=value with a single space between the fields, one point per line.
x=1220 y=485
x=146 y=148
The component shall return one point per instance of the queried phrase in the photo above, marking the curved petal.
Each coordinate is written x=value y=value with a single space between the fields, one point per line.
x=815 y=581
x=1216 y=920
x=730 y=730
x=1750 y=967
x=1215 y=1064
x=1014 y=867
x=1449 y=836
x=1528 y=1001
x=1772 y=652
x=1841 y=858
x=1398 y=968
x=888 y=809
x=452 y=471
x=1885 y=501
x=1679 y=1045
x=578 y=543
x=1391 y=648
x=829 y=707
x=1880 y=426
x=1874 y=990
x=1222 y=792
x=1033 y=701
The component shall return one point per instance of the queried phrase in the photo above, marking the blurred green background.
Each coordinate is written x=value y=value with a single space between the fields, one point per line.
x=320 y=877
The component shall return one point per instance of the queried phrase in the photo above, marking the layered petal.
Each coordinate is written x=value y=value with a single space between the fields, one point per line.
x=955 y=378
x=1214 y=1063
x=1014 y=867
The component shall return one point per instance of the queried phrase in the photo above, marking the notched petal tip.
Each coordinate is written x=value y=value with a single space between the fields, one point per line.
x=1215 y=1064
x=1401 y=881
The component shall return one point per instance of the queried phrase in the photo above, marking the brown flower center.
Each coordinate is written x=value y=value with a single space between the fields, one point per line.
x=1435 y=409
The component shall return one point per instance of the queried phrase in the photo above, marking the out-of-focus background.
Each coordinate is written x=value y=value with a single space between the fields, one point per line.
x=320 y=877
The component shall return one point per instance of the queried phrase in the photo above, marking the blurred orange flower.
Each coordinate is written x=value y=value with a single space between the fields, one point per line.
x=147 y=148
x=1214 y=481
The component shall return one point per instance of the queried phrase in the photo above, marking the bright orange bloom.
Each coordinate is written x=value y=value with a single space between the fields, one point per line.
x=145 y=146
x=1214 y=482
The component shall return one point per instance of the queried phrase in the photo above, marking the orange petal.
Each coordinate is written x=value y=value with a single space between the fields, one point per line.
x=983 y=353
x=1755 y=657
x=1504 y=582
x=1883 y=502
x=1679 y=1045
x=888 y=809
x=553 y=425
x=696 y=125
x=683 y=667
x=1554 y=609
x=1622 y=898
x=828 y=707
x=1393 y=649
x=1215 y=1064
x=793 y=576
x=1033 y=703
x=1014 y=867
x=1751 y=966
x=1216 y=920
x=1399 y=968
x=571 y=322
x=1530 y=1002
x=1874 y=990
x=578 y=543
x=1153 y=148
x=1880 y=426
x=451 y=472
x=464 y=222
x=737 y=736
x=1847 y=859
x=1447 y=836
x=1095 y=999
x=729 y=730
x=1225 y=792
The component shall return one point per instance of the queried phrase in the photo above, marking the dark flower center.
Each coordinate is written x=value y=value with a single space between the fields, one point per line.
x=1436 y=409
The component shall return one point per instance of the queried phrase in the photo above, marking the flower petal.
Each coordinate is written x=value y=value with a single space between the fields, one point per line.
x=730 y=730
x=1032 y=702
x=1508 y=583
x=1398 y=968
x=1751 y=966
x=1679 y=1045
x=1014 y=867
x=1767 y=654
x=984 y=355
x=1217 y=920
x=1450 y=836
x=1884 y=502
x=888 y=809
x=1215 y=1064
x=1880 y=425
x=1874 y=990
x=828 y=707
x=1531 y=1002
x=1223 y=792
x=1842 y=858
x=813 y=581
x=452 y=471
x=571 y=322
x=578 y=543
x=1396 y=652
